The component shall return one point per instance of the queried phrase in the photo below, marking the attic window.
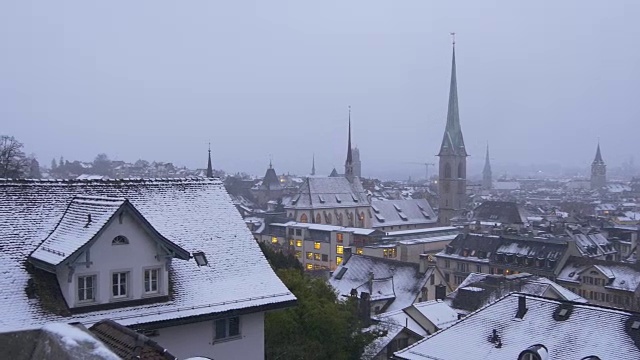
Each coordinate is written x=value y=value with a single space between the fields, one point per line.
x=338 y=200
x=375 y=209
x=355 y=199
x=635 y=325
x=420 y=207
x=398 y=208
x=403 y=216
x=120 y=240
x=200 y=258
x=321 y=198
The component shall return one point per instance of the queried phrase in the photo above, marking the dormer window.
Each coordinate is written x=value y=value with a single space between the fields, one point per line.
x=120 y=240
x=200 y=258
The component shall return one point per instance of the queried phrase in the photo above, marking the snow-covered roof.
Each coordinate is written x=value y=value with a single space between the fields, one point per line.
x=195 y=214
x=393 y=280
x=329 y=192
x=584 y=331
x=478 y=290
x=621 y=276
x=402 y=212
x=439 y=313
x=393 y=322
x=324 y=227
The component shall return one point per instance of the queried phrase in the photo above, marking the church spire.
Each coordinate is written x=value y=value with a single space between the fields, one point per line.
x=452 y=141
x=598 y=158
x=313 y=165
x=486 y=172
x=209 y=167
x=348 y=164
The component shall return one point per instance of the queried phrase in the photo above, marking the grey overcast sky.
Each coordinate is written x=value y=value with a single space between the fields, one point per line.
x=541 y=81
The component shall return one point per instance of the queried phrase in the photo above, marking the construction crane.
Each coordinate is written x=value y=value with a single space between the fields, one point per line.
x=426 y=167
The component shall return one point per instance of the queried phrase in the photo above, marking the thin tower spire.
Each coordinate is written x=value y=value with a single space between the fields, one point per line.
x=209 y=167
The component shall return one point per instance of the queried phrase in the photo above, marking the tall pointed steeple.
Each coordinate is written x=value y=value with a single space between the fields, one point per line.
x=598 y=171
x=313 y=165
x=487 y=180
x=452 y=179
x=452 y=141
x=209 y=167
x=348 y=164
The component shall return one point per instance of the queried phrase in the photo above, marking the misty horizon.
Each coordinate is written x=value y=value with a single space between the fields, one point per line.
x=274 y=80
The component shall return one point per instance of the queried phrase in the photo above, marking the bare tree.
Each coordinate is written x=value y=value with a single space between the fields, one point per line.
x=13 y=162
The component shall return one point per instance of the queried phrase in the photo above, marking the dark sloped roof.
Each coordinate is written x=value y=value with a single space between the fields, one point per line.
x=504 y=212
x=127 y=343
x=402 y=212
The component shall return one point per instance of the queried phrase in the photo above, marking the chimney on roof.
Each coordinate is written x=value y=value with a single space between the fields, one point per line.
x=370 y=280
x=88 y=220
x=364 y=308
x=522 y=307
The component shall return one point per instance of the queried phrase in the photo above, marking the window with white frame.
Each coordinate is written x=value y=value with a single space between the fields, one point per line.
x=151 y=280
x=119 y=282
x=87 y=288
x=227 y=328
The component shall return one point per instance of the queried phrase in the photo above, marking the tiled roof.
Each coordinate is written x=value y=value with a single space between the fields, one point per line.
x=587 y=330
x=392 y=279
x=402 y=212
x=127 y=343
x=329 y=192
x=195 y=214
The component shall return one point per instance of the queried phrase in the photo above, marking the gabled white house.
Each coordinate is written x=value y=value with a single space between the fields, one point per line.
x=171 y=258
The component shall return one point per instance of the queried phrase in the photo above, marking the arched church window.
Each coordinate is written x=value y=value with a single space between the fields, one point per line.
x=339 y=219
x=361 y=220
x=447 y=171
x=318 y=219
x=328 y=218
x=461 y=174
x=303 y=218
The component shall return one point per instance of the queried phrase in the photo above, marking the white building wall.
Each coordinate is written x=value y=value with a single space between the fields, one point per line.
x=196 y=339
x=106 y=258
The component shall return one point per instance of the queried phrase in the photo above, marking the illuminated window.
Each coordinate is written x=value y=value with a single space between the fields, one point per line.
x=299 y=243
x=309 y=255
x=338 y=260
x=274 y=240
x=316 y=256
x=359 y=251
x=316 y=245
x=303 y=218
x=290 y=242
x=339 y=237
x=389 y=253
x=339 y=249
x=298 y=254
x=309 y=266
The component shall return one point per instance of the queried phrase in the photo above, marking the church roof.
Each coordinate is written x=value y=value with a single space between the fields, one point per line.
x=452 y=141
x=329 y=192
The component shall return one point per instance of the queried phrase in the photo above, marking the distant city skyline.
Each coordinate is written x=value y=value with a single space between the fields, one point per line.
x=541 y=82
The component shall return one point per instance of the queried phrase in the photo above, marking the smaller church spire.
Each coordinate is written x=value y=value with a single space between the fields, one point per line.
x=313 y=165
x=348 y=164
x=209 y=167
x=487 y=180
